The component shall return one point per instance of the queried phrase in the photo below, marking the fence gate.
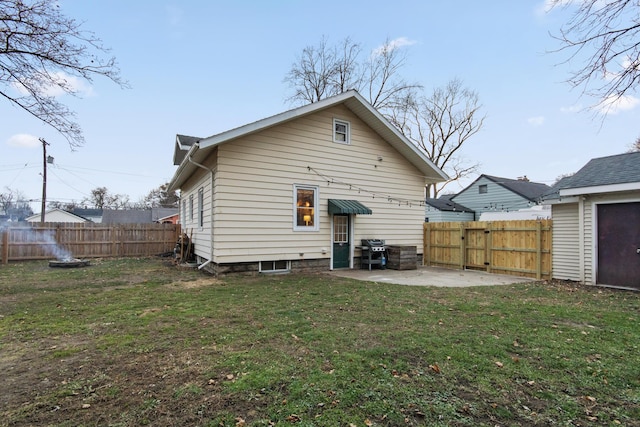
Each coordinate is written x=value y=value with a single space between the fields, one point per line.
x=476 y=249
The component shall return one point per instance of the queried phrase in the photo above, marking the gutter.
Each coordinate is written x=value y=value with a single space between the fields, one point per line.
x=193 y=162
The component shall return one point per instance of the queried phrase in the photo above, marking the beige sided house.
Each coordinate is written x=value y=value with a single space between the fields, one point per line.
x=299 y=190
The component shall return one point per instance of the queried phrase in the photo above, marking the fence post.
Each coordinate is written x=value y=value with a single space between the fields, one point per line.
x=538 y=250
x=426 y=244
x=488 y=246
x=462 y=245
x=5 y=246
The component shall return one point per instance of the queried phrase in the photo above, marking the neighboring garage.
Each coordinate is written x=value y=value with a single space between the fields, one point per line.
x=596 y=223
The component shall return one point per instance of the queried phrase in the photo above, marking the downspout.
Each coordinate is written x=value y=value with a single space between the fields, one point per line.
x=581 y=235
x=190 y=160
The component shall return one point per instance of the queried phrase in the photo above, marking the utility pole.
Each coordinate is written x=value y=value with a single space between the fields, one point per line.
x=44 y=178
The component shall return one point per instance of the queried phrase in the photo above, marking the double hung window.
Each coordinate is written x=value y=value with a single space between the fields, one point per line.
x=341 y=131
x=305 y=212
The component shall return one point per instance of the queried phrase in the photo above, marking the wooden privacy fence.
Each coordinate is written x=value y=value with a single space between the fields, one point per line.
x=519 y=248
x=85 y=240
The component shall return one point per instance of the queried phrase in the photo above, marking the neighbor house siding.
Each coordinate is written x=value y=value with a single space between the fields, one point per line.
x=256 y=174
x=566 y=242
x=496 y=199
x=435 y=215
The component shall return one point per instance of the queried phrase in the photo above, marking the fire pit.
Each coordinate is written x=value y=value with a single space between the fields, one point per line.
x=69 y=263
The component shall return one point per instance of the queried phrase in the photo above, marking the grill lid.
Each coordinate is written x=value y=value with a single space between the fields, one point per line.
x=372 y=242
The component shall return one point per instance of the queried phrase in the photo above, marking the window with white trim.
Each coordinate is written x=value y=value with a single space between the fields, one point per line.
x=274 y=266
x=482 y=189
x=305 y=212
x=191 y=207
x=341 y=131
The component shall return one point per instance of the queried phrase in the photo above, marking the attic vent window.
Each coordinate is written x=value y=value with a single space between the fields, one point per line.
x=482 y=189
x=341 y=131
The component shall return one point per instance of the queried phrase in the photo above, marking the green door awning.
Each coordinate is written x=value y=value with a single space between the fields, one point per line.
x=353 y=207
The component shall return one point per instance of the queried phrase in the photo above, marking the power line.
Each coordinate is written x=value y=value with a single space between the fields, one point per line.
x=68 y=185
x=105 y=171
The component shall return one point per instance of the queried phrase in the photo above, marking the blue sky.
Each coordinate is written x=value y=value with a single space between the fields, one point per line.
x=202 y=67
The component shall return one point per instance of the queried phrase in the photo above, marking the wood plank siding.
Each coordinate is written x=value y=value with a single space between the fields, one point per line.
x=254 y=190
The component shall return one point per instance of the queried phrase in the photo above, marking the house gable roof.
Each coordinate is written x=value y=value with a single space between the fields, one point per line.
x=445 y=204
x=601 y=175
x=126 y=216
x=351 y=99
x=183 y=144
x=72 y=217
x=529 y=190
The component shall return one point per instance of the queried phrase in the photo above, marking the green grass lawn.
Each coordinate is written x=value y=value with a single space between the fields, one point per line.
x=129 y=342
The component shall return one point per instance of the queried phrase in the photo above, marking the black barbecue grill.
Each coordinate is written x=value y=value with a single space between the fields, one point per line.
x=374 y=252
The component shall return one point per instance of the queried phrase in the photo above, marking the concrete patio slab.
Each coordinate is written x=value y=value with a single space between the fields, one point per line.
x=432 y=276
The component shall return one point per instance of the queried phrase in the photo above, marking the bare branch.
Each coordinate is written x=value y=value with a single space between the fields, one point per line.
x=441 y=125
x=605 y=37
x=323 y=71
x=41 y=52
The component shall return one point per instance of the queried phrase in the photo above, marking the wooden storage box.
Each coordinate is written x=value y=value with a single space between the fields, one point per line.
x=402 y=257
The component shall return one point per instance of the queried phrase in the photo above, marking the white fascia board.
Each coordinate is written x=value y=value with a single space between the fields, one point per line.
x=599 y=189
x=561 y=200
x=175 y=182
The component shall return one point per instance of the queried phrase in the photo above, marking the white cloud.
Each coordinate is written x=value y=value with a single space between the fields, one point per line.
x=547 y=6
x=23 y=140
x=614 y=104
x=536 y=121
x=393 y=44
x=571 y=109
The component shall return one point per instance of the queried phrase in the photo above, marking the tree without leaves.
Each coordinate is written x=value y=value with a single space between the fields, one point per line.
x=6 y=199
x=41 y=52
x=323 y=71
x=440 y=125
x=14 y=204
x=608 y=33
x=101 y=198
x=160 y=198
x=67 y=206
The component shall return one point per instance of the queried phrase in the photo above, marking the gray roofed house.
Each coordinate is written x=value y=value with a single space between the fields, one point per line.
x=443 y=209
x=93 y=215
x=596 y=217
x=495 y=194
x=525 y=188
x=136 y=216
